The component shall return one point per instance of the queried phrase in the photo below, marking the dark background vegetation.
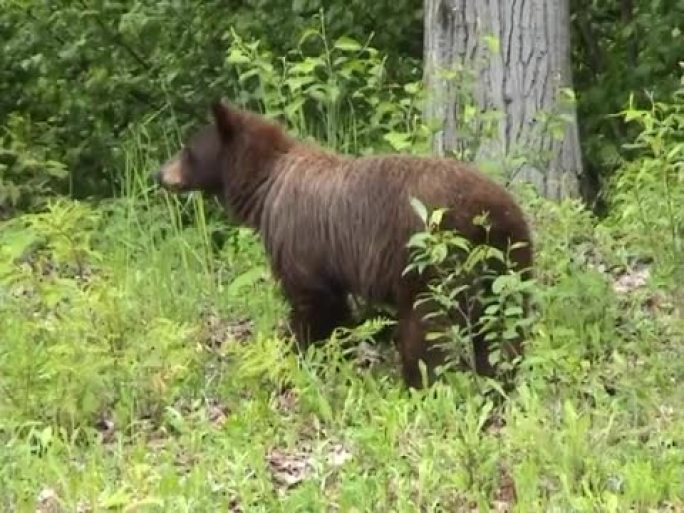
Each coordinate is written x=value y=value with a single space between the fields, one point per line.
x=75 y=76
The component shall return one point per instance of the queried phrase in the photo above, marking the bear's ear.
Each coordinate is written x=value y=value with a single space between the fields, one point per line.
x=225 y=119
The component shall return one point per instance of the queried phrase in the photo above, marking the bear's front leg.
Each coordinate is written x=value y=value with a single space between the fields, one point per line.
x=414 y=348
x=315 y=316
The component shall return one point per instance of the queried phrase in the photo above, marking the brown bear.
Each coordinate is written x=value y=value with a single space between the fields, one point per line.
x=336 y=225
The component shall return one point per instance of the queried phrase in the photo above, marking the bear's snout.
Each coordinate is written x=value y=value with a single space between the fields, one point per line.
x=170 y=175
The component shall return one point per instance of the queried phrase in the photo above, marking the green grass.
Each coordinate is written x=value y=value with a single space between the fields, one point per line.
x=142 y=369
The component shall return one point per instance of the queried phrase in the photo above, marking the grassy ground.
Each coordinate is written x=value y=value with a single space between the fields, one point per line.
x=142 y=369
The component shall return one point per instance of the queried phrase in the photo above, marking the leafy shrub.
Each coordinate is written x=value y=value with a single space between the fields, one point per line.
x=620 y=49
x=466 y=278
x=154 y=63
x=28 y=176
x=73 y=347
x=647 y=193
x=338 y=94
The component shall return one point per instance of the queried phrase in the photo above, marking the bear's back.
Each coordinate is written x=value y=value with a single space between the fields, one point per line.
x=346 y=221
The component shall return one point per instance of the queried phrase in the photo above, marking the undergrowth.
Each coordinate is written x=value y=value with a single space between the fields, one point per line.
x=144 y=367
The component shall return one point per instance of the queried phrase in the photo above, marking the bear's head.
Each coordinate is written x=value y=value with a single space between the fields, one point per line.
x=200 y=164
x=232 y=158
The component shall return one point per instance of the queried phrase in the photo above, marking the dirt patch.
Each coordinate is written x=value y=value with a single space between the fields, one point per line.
x=216 y=331
x=289 y=468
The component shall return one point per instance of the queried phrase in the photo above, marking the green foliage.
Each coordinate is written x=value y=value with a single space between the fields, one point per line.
x=620 y=48
x=119 y=392
x=465 y=278
x=478 y=127
x=160 y=63
x=72 y=337
x=337 y=91
x=27 y=174
x=475 y=126
x=647 y=194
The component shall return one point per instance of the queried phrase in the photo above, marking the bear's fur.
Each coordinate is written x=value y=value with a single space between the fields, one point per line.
x=335 y=225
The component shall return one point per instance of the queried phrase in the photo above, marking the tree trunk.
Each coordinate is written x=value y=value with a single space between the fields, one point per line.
x=518 y=55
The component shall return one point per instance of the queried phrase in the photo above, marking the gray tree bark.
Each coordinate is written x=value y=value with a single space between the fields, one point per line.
x=520 y=73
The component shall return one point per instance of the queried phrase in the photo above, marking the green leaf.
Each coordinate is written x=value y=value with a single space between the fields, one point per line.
x=412 y=87
x=499 y=284
x=513 y=311
x=243 y=77
x=419 y=209
x=309 y=33
x=347 y=44
x=296 y=83
x=492 y=309
x=237 y=57
x=398 y=140
x=244 y=280
x=439 y=253
x=418 y=240
x=436 y=217
x=307 y=66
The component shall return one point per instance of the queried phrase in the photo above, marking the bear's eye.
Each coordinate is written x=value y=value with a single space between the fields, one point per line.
x=188 y=156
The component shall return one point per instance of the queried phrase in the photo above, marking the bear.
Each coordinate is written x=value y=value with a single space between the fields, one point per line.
x=336 y=225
